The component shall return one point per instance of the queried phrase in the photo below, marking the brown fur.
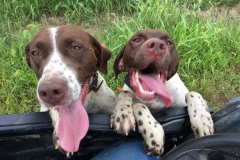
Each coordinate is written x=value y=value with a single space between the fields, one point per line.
x=133 y=53
x=91 y=52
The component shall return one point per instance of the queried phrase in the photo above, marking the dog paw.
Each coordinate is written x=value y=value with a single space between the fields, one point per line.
x=200 y=117
x=152 y=132
x=122 y=119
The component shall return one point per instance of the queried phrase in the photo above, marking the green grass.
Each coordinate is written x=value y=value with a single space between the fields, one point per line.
x=207 y=41
x=206 y=4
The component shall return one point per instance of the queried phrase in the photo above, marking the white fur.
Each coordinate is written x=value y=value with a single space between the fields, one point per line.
x=152 y=132
x=102 y=101
x=56 y=68
x=122 y=117
x=201 y=121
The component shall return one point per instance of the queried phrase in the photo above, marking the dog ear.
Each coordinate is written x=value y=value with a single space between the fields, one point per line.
x=173 y=67
x=27 y=55
x=106 y=55
x=102 y=53
x=118 y=65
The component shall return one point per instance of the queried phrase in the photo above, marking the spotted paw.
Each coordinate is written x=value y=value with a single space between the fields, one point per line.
x=122 y=119
x=152 y=132
x=201 y=120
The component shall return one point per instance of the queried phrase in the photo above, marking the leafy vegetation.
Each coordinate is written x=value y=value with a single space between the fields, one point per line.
x=207 y=39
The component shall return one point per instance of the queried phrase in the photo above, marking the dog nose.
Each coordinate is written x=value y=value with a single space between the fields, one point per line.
x=156 y=46
x=52 y=92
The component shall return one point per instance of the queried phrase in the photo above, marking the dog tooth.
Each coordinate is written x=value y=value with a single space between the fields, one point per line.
x=57 y=146
x=67 y=154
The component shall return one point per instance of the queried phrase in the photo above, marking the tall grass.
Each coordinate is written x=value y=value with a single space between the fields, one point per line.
x=208 y=46
x=208 y=49
x=206 y=4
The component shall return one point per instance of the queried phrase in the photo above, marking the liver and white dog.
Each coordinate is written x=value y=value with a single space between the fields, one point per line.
x=65 y=59
x=150 y=57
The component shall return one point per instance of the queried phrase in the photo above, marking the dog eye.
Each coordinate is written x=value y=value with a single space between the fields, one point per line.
x=136 y=40
x=168 y=43
x=36 y=53
x=76 y=48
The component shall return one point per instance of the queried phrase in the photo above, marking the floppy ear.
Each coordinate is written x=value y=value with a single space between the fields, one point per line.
x=106 y=55
x=102 y=53
x=27 y=55
x=173 y=67
x=117 y=62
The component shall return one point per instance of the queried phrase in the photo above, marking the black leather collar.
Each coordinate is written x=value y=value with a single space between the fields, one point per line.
x=127 y=81
x=93 y=86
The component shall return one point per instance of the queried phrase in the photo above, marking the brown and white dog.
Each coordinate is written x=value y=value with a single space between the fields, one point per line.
x=65 y=60
x=150 y=57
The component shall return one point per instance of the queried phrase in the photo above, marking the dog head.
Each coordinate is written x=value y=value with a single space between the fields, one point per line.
x=64 y=59
x=66 y=55
x=151 y=58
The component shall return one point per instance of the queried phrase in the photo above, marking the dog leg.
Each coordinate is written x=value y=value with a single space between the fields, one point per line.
x=122 y=119
x=201 y=120
x=152 y=132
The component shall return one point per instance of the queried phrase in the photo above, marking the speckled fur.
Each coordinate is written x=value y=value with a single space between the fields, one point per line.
x=102 y=101
x=201 y=121
x=153 y=51
x=140 y=113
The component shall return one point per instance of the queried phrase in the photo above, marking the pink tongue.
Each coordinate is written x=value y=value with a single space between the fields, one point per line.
x=73 y=125
x=154 y=83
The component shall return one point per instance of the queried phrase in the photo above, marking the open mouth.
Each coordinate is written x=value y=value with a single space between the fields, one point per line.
x=149 y=84
x=74 y=123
